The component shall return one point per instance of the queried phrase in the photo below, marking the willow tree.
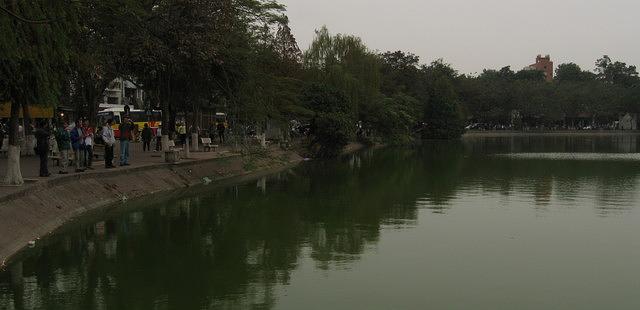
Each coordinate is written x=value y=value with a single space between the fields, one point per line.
x=34 y=53
x=344 y=63
x=271 y=87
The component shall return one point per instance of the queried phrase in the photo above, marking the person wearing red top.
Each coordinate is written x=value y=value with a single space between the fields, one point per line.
x=126 y=135
x=88 y=143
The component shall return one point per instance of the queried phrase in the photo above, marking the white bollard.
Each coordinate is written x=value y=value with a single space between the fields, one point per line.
x=195 y=145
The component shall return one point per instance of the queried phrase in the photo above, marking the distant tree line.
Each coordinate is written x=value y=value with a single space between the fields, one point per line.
x=595 y=98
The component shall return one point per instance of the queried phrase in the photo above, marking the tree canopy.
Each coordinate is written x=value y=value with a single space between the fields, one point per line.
x=241 y=57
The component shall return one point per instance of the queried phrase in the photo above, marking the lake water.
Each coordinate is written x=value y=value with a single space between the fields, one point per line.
x=444 y=226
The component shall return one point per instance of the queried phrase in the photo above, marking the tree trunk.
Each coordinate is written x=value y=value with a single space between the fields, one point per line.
x=29 y=138
x=163 y=97
x=14 y=175
x=171 y=126
x=91 y=101
x=164 y=106
x=26 y=115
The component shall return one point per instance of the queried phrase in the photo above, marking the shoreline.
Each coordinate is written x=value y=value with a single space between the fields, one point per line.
x=39 y=210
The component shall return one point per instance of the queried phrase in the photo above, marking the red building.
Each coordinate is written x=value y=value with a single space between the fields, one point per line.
x=545 y=65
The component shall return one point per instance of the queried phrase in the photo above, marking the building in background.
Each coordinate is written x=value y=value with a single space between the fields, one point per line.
x=122 y=92
x=545 y=65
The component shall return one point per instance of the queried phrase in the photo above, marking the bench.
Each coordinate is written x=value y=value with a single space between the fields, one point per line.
x=206 y=144
x=172 y=154
x=55 y=158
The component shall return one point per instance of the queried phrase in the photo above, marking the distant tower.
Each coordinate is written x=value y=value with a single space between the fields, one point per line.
x=545 y=65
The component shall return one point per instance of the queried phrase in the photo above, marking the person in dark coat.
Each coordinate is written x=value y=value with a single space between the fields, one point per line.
x=221 y=128
x=126 y=135
x=147 y=135
x=42 y=134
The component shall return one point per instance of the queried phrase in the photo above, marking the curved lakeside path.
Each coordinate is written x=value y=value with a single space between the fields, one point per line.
x=30 y=166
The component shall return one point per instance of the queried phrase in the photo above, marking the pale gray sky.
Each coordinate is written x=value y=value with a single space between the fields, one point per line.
x=477 y=34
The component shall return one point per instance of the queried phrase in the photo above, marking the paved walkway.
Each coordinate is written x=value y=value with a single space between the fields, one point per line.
x=30 y=165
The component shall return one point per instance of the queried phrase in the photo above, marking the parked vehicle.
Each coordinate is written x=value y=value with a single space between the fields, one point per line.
x=139 y=118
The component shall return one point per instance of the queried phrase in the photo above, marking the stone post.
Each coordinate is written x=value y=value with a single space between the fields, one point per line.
x=195 y=146
x=186 y=148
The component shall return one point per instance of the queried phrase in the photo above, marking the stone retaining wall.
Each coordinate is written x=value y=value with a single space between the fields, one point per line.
x=42 y=208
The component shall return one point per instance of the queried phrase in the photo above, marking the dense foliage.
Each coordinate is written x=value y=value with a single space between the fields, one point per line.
x=33 y=52
x=333 y=122
x=240 y=57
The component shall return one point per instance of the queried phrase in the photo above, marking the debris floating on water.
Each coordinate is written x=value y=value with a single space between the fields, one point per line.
x=206 y=180
x=32 y=243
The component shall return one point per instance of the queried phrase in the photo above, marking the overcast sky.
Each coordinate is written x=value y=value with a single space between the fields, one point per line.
x=477 y=34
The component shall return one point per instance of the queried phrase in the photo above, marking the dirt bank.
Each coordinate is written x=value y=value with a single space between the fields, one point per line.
x=41 y=209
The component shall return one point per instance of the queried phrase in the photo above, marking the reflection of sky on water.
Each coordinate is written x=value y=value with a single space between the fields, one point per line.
x=573 y=156
x=241 y=246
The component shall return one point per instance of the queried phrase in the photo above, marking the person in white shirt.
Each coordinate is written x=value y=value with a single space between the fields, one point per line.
x=109 y=141
x=159 y=138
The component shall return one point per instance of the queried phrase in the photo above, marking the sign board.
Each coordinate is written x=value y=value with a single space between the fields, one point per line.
x=34 y=111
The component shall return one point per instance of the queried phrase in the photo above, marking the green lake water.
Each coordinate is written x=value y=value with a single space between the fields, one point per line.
x=443 y=226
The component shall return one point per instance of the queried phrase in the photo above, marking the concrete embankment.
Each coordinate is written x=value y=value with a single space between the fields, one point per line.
x=42 y=208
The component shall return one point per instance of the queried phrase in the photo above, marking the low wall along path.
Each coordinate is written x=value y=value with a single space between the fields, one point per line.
x=38 y=209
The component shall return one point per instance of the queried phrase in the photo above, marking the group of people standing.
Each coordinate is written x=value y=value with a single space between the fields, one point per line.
x=78 y=138
x=75 y=141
